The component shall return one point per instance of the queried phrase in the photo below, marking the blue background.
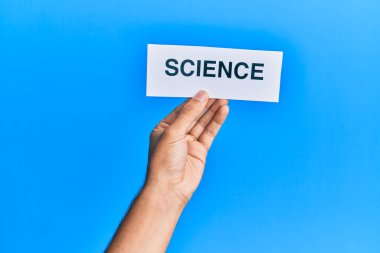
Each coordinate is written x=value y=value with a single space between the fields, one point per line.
x=299 y=176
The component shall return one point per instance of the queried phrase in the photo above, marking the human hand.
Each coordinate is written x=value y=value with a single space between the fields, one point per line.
x=177 y=156
x=179 y=145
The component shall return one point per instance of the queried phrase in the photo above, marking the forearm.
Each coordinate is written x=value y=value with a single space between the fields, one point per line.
x=150 y=222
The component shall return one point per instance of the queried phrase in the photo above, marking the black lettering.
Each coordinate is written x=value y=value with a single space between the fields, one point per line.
x=183 y=67
x=206 y=68
x=236 y=70
x=171 y=67
x=227 y=72
x=254 y=71
x=199 y=67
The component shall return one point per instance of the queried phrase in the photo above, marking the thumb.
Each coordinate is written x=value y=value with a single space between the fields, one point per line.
x=190 y=112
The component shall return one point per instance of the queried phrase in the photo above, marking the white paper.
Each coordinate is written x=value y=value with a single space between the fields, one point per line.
x=163 y=80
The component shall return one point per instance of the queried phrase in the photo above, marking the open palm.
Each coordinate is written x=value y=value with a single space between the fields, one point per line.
x=180 y=142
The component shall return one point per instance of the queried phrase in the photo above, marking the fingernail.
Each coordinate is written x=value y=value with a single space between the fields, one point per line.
x=201 y=95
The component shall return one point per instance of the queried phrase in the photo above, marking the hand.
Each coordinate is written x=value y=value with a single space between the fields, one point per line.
x=179 y=145
x=177 y=156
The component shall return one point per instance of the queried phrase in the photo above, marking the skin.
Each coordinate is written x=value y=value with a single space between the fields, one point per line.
x=177 y=155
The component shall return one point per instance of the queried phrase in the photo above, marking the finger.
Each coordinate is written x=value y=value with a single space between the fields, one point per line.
x=212 y=129
x=190 y=112
x=203 y=122
x=169 y=119
x=209 y=104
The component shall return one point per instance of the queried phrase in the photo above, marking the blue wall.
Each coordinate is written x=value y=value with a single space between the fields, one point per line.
x=299 y=176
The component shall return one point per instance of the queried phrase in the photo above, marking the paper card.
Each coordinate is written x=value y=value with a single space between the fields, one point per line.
x=181 y=71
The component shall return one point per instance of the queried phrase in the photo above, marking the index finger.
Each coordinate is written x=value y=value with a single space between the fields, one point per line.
x=172 y=116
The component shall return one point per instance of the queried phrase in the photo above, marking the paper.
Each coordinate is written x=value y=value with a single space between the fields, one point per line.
x=181 y=71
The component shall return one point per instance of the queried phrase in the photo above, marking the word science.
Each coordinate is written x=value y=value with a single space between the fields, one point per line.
x=217 y=69
x=230 y=73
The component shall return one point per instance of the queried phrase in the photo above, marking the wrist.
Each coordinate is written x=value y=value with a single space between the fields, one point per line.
x=164 y=197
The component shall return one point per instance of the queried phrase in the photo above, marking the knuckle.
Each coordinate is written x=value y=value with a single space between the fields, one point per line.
x=210 y=132
x=188 y=108
x=202 y=124
x=170 y=131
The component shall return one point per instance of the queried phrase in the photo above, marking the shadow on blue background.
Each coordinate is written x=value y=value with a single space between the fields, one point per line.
x=298 y=176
